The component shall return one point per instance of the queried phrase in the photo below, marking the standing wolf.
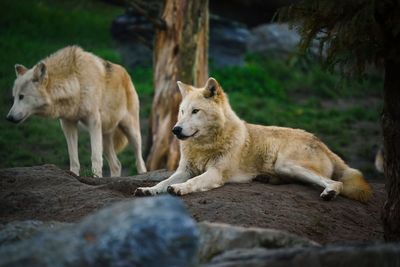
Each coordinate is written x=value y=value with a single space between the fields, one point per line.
x=217 y=147
x=77 y=86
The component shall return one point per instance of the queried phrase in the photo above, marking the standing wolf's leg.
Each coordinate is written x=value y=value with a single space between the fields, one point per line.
x=96 y=142
x=178 y=177
x=132 y=130
x=70 y=130
x=136 y=140
x=296 y=171
x=212 y=178
x=111 y=156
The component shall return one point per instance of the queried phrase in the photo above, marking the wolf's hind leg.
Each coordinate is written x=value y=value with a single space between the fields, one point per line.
x=131 y=129
x=294 y=170
x=70 y=131
x=111 y=156
x=212 y=178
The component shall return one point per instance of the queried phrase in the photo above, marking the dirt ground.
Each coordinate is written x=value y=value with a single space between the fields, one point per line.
x=48 y=193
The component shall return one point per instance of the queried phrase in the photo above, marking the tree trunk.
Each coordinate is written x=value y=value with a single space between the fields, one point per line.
x=180 y=54
x=391 y=135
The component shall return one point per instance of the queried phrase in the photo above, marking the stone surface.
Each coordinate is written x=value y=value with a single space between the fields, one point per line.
x=21 y=230
x=154 y=176
x=295 y=208
x=276 y=39
x=107 y=237
x=151 y=232
x=47 y=193
x=228 y=41
x=372 y=255
x=216 y=238
x=135 y=35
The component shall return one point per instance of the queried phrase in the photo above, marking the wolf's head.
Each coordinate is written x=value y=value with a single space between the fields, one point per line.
x=28 y=92
x=201 y=113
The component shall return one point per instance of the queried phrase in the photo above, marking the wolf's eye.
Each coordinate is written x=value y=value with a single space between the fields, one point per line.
x=20 y=97
x=194 y=111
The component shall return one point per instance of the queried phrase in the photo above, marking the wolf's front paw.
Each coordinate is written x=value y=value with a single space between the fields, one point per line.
x=144 y=191
x=173 y=190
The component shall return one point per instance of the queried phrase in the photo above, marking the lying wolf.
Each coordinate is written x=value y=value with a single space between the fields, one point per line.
x=77 y=86
x=218 y=147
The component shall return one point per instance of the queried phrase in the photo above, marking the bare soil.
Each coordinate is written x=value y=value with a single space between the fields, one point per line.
x=48 y=193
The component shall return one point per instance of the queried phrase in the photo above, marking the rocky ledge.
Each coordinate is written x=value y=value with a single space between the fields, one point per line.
x=51 y=217
x=47 y=193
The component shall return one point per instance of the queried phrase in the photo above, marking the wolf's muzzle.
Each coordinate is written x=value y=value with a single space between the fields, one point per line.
x=177 y=130
x=12 y=119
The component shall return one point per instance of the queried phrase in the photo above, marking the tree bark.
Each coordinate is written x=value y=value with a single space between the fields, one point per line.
x=180 y=54
x=391 y=135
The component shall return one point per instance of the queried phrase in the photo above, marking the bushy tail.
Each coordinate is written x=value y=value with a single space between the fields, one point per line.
x=120 y=140
x=355 y=186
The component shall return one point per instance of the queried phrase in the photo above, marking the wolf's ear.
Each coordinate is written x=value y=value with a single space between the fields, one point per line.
x=212 y=89
x=39 y=72
x=184 y=88
x=20 y=69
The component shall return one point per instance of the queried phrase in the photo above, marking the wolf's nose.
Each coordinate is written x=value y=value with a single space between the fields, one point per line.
x=177 y=130
x=11 y=118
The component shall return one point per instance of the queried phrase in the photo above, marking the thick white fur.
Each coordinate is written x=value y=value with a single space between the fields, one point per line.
x=218 y=147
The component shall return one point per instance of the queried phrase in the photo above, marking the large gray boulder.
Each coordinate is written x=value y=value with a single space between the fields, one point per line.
x=228 y=40
x=149 y=232
x=277 y=39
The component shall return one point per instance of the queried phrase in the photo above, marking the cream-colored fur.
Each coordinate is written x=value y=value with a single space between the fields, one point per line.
x=79 y=87
x=217 y=147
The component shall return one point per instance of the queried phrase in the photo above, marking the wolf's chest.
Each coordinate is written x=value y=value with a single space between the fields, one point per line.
x=199 y=164
x=199 y=161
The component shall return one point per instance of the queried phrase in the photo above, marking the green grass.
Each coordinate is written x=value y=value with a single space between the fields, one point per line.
x=270 y=91
x=296 y=93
